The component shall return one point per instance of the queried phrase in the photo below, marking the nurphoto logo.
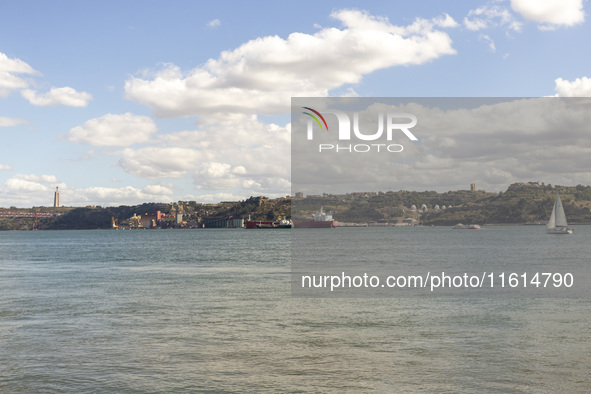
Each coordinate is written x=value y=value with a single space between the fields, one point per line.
x=390 y=122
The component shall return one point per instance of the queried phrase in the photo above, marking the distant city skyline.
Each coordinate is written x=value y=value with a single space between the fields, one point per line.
x=125 y=102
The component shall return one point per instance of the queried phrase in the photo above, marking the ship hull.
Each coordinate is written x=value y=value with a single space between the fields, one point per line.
x=562 y=230
x=262 y=226
x=316 y=224
x=266 y=225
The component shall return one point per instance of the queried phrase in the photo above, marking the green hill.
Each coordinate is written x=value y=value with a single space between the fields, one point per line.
x=521 y=203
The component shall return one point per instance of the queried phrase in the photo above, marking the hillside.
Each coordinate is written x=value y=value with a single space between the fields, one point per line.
x=68 y=218
x=521 y=203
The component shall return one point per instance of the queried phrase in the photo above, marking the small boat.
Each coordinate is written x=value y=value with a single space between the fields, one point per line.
x=461 y=226
x=557 y=223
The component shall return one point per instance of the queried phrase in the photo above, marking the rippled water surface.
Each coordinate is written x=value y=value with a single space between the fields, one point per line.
x=211 y=310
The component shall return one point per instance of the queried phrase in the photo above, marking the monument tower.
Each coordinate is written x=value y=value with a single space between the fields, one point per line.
x=56 y=198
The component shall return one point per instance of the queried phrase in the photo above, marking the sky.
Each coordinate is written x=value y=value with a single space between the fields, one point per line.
x=371 y=144
x=125 y=102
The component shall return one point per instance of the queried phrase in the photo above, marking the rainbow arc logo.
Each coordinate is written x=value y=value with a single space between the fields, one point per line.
x=315 y=118
x=388 y=124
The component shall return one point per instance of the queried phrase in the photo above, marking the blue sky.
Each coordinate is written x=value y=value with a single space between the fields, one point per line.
x=132 y=101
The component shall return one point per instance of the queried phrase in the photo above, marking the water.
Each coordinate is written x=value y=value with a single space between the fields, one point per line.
x=499 y=261
x=211 y=310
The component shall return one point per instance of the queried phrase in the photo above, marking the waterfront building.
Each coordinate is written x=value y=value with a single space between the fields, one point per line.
x=151 y=221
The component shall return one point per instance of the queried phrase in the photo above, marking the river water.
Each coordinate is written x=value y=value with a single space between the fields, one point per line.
x=212 y=310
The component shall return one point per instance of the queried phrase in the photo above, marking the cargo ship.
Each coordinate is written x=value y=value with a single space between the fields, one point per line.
x=269 y=225
x=321 y=220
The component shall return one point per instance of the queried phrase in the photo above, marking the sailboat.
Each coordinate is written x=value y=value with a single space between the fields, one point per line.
x=557 y=223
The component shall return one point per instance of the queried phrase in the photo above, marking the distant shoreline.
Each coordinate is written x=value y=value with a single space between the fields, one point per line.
x=361 y=225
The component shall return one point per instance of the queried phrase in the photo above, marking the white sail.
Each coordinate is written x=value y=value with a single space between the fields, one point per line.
x=557 y=223
x=552 y=222
x=560 y=216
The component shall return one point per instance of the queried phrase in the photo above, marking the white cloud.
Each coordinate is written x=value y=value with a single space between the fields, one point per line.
x=113 y=130
x=551 y=13
x=256 y=148
x=214 y=23
x=350 y=92
x=15 y=66
x=30 y=183
x=37 y=178
x=161 y=162
x=445 y=21
x=22 y=185
x=236 y=153
x=489 y=42
x=215 y=170
x=580 y=87
x=118 y=196
x=261 y=75
x=9 y=71
x=215 y=175
x=9 y=122
x=58 y=96
x=5 y=167
x=157 y=190
x=490 y=16
x=475 y=24
x=28 y=190
x=239 y=170
x=215 y=197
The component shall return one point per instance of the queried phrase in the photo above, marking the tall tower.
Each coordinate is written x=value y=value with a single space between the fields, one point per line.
x=472 y=187
x=56 y=198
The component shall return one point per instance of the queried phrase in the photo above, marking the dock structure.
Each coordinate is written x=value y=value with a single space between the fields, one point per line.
x=222 y=222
